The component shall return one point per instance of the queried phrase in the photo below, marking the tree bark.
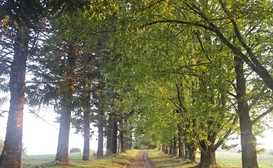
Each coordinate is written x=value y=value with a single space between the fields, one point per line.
x=100 y=130
x=115 y=135
x=86 y=122
x=174 y=151
x=86 y=135
x=121 y=135
x=63 y=138
x=191 y=152
x=171 y=148
x=248 y=143
x=11 y=154
x=164 y=149
x=130 y=144
x=248 y=140
x=65 y=118
x=109 y=132
x=207 y=158
x=181 y=147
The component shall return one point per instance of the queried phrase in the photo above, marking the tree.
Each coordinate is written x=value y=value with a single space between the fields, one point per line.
x=194 y=70
x=75 y=150
x=83 y=116
x=100 y=95
x=87 y=120
x=235 y=25
x=66 y=105
x=19 y=21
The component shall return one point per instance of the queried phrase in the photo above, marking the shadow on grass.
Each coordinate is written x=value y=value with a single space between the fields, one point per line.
x=161 y=160
x=114 y=161
x=50 y=164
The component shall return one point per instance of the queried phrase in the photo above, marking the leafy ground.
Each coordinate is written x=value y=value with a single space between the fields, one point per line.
x=160 y=160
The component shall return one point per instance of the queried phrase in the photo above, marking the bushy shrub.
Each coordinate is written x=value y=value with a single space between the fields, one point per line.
x=75 y=150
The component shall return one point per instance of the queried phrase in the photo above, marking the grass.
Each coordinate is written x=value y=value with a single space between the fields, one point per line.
x=234 y=160
x=115 y=161
x=224 y=160
x=162 y=160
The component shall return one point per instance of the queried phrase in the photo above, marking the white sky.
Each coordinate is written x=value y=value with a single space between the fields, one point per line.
x=40 y=137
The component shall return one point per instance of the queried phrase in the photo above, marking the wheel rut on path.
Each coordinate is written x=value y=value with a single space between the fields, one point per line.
x=141 y=161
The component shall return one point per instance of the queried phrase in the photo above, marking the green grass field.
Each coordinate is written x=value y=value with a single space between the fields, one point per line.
x=224 y=159
x=42 y=161
x=234 y=160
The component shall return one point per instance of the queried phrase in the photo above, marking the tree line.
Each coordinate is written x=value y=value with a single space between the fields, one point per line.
x=179 y=75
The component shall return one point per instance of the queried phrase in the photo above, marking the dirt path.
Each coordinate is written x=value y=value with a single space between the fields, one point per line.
x=141 y=161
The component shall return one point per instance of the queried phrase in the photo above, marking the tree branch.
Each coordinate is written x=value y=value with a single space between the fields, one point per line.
x=252 y=62
x=221 y=141
x=262 y=115
x=178 y=22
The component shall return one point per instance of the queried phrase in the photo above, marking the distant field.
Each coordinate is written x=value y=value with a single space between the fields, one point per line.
x=225 y=159
x=234 y=160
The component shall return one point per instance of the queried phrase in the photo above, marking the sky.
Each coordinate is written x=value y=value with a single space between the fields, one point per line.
x=41 y=137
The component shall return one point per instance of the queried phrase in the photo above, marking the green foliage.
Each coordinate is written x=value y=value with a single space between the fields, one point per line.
x=144 y=142
x=152 y=62
x=162 y=44
x=162 y=63
x=74 y=150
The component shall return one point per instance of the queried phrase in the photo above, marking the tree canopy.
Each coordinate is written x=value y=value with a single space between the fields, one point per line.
x=178 y=75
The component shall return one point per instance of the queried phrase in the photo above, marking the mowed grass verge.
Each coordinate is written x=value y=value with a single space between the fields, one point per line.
x=115 y=161
x=224 y=160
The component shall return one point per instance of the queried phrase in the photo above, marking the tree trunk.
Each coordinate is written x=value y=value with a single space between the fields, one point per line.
x=248 y=140
x=86 y=122
x=181 y=147
x=100 y=130
x=191 y=152
x=109 y=143
x=174 y=151
x=165 y=149
x=63 y=139
x=171 y=148
x=115 y=135
x=130 y=144
x=11 y=154
x=190 y=146
x=121 y=135
x=86 y=146
x=65 y=118
x=207 y=158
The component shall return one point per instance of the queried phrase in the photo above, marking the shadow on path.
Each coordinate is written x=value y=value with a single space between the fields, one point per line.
x=141 y=161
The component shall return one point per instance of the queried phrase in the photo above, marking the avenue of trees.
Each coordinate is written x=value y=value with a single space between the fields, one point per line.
x=179 y=75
